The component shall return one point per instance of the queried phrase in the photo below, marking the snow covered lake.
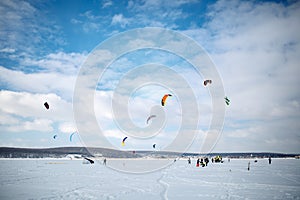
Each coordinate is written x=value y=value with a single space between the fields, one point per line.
x=71 y=179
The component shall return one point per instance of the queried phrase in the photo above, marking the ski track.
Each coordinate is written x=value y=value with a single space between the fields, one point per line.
x=178 y=181
x=286 y=178
x=165 y=185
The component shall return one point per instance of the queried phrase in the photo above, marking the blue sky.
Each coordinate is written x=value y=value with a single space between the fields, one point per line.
x=253 y=44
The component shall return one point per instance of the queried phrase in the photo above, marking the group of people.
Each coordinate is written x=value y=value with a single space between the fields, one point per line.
x=203 y=162
x=200 y=161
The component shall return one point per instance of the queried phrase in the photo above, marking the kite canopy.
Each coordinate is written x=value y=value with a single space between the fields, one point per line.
x=54 y=136
x=206 y=82
x=123 y=141
x=154 y=145
x=227 y=101
x=150 y=117
x=71 y=136
x=90 y=160
x=163 y=100
x=46 y=105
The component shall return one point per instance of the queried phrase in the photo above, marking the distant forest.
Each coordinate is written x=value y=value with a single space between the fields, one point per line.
x=61 y=152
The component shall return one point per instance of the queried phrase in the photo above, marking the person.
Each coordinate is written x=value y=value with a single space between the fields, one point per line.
x=228 y=159
x=198 y=163
x=189 y=160
x=249 y=166
x=212 y=160
x=206 y=160
x=104 y=161
x=202 y=162
x=270 y=160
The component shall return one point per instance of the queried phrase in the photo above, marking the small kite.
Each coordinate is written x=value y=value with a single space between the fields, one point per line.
x=227 y=101
x=46 y=105
x=163 y=100
x=150 y=117
x=90 y=160
x=154 y=145
x=123 y=141
x=54 y=136
x=206 y=82
x=71 y=136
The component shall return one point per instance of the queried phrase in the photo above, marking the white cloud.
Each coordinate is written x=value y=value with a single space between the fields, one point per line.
x=22 y=27
x=158 y=13
x=7 y=50
x=7 y=119
x=91 y=27
x=56 y=73
x=265 y=26
x=273 y=136
x=114 y=134
x=119 y=19
x=89 y=15
x=65 y=63
x=75 y=21
x=107 y=3
x=38 y=82
x=138 y=43
x=67 y=127
x=41 y=125
x=24 y=113
x=103 y=105
x=91 y=23
x=157 y=5
x=11 y=121
x=29 y=105
x=255 y=47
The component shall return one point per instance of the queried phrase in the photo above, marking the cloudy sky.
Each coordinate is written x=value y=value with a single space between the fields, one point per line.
x=254 y=46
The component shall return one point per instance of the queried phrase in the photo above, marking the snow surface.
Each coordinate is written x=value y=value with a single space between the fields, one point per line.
x=71 y=179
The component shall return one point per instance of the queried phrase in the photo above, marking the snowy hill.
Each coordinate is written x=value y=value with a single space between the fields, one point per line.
x=60 y=152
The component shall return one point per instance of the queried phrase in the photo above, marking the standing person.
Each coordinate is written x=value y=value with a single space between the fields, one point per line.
x=104 y=161
x=206 y=160
x=189 y=160
x=249 y=166
x=270 y=160
x=198 y=163
x=202 y=162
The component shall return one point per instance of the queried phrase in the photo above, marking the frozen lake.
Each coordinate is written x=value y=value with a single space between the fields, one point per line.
x=71 y=179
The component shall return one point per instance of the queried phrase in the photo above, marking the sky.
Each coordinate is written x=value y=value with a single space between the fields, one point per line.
x=254 y=46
